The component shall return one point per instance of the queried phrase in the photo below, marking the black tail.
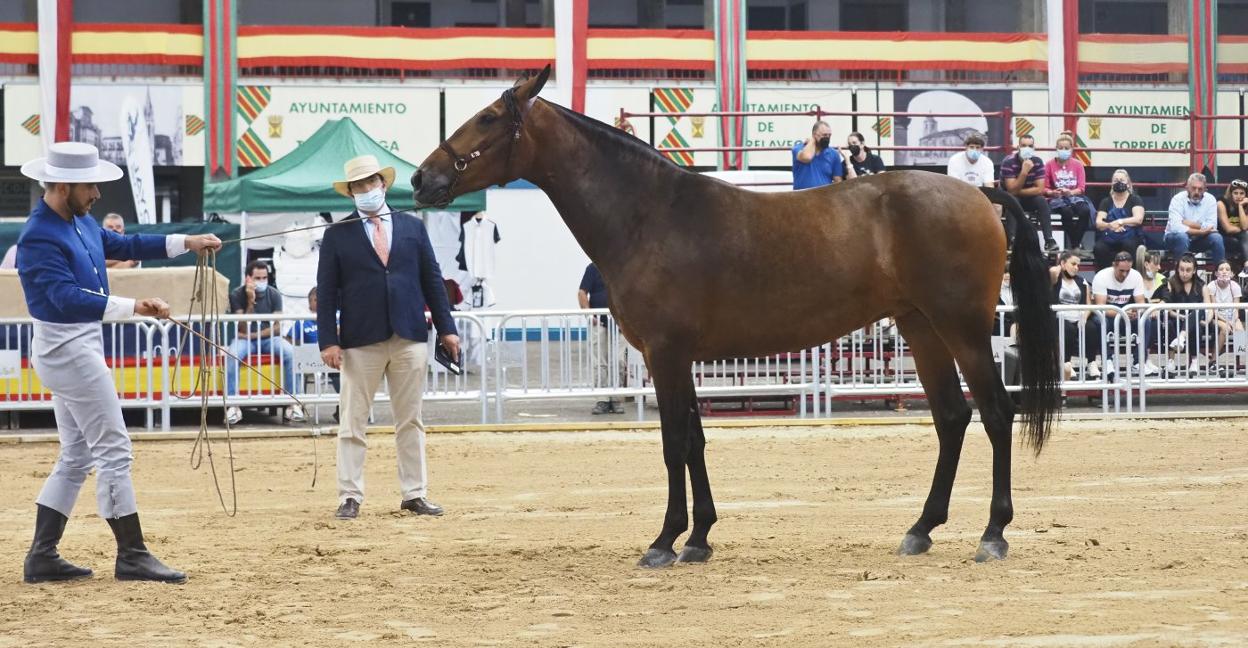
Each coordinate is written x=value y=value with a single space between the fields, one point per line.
x=1037 y=325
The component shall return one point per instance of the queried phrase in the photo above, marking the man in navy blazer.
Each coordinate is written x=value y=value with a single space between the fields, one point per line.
x=377 y=271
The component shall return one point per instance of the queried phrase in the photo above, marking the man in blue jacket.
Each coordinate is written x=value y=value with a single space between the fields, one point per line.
x=377 y=271
x=61 y=257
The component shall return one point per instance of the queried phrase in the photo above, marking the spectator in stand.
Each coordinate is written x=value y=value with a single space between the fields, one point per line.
x=1079 y=328
x=305 y=332
x=1180 y=327
x=1022 y=174
x=1120 y=285
x=1233 y=219
x=815 y=162
x=1149 y=263
x=859 y=159
x=1225 y=291
x=1064 y=180
x=1118 y=221
x=1193 y=222
x=972 y=165
x=256 y=297
x=114 y=222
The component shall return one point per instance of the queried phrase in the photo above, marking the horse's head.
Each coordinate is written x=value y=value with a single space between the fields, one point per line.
x=479 y=153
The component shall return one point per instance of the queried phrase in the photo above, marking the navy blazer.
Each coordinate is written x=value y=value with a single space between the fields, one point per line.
x=377 y=301
x=61 y=264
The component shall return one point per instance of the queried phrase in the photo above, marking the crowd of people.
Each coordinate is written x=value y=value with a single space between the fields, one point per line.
x=1124 y=269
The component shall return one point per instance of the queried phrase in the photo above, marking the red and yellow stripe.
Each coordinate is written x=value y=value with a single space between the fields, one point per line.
x=692 y=49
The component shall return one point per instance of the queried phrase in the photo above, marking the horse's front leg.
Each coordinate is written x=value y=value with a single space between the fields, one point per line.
x=675 y=399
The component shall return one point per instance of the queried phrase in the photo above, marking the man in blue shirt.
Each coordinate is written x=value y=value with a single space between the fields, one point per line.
x=1193 y=222
x=60 y=260
x=815 y=162
x=593 y=294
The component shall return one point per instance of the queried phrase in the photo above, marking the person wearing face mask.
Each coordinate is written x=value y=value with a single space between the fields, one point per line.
x=1193 y=222
x=1118 y=221
x=1065 y=180
x=972 y=166
x=378 y=271
x=859 y=160
x=1223 y=290
x=1022 y=174
x=60 y=260
x=1233 y=217
x=256 y=297
x=815 y=162
x=1081 y=333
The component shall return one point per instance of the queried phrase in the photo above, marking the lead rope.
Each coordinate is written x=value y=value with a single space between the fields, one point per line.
x=208 y=318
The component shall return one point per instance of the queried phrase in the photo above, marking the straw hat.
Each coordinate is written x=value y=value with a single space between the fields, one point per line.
x=360 y=168
x=72 y=162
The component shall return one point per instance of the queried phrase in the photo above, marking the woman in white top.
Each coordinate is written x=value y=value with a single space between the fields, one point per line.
x=1224 y=290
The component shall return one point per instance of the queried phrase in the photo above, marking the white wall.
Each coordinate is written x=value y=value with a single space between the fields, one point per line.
x=539 y=264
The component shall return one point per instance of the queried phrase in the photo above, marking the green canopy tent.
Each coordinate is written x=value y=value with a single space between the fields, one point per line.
x=301 y=180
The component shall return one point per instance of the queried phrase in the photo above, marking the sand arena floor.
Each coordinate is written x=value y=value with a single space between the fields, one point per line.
x=1136 y=536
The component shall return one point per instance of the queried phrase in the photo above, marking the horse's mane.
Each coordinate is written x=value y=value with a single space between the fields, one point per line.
x=621 y=142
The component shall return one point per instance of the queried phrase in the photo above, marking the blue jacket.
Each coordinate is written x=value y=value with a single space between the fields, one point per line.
x=61 y=264
x=376 y=301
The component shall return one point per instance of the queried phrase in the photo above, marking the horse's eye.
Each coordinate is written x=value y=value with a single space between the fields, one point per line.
x=487 y=118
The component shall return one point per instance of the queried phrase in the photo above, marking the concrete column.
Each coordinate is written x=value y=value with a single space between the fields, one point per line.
x=1177 y=16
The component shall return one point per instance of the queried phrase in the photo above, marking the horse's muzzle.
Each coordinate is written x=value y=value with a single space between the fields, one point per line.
x=431 y=188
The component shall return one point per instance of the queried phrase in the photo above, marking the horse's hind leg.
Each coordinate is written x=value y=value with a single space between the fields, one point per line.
x=974 y=355
x=697 y=549
x=951 y=414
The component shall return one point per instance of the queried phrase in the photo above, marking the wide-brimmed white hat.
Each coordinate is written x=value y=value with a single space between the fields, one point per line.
x=360 y=168
x=71 y=162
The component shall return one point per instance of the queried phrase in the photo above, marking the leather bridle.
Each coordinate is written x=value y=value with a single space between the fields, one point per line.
x=517 y=122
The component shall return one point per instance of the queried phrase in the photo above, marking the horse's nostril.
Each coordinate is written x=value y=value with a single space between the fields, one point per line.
x=416 y=180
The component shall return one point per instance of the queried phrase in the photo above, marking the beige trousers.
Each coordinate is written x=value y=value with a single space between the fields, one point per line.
x=403 y=363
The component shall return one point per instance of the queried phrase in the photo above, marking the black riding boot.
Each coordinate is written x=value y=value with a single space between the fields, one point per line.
x=134 y=561
x=43 y=563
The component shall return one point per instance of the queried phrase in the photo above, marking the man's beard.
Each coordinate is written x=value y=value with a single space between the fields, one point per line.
x=78 y=209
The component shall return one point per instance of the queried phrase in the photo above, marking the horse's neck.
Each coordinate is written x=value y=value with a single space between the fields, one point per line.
x=597 y=195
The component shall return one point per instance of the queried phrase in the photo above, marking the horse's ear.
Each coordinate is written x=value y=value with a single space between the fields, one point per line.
x=530 y=88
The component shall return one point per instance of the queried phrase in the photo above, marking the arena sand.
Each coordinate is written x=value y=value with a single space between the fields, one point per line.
x=1124 y=535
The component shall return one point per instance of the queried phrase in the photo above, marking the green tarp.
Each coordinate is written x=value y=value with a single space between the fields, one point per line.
x=301 y=181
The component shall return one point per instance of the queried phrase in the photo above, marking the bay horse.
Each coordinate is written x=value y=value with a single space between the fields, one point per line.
x=698 y=269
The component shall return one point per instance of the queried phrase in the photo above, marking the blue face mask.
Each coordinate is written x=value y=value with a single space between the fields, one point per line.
x=1026 y=152
x=972 y=155
x=1063 y=154
x=262 y=286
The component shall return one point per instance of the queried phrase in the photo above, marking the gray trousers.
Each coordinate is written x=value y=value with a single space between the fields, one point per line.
x=69 y=359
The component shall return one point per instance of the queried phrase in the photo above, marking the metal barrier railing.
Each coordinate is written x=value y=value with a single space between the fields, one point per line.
x=1204 y=347
x=1119 y=353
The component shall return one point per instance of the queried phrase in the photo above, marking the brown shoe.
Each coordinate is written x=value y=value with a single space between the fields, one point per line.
x=349 y=510
x=420 y=506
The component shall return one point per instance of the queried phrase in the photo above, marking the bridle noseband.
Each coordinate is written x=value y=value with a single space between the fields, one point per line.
x=517 y=122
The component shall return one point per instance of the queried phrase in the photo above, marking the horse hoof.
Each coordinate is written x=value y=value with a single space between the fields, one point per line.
x=691 y=554
x=914 y=545
x=991 y=550
x=656 y=558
